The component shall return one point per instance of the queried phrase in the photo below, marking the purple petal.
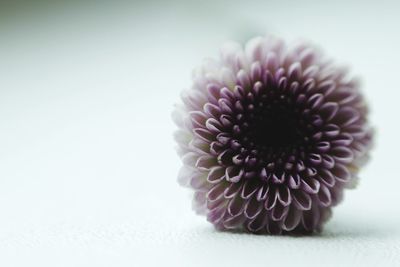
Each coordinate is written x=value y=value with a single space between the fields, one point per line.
x=232 y=190
x=216 y=192
x=252 y=208
x=249 y=188
x=216 y=175
x=310 y=185
x=284 y=196
x=233 y=174
x=292 y=219
x=236 y=206
x=271 y=200
x=341 y=173
x=324 y=196
x=302 y=200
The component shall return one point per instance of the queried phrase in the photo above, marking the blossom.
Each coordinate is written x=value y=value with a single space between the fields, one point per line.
x=270 y=135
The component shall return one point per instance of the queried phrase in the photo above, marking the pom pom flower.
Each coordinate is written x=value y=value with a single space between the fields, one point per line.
x=270 y=135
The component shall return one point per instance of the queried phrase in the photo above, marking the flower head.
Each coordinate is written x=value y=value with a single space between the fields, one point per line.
x=270 y=135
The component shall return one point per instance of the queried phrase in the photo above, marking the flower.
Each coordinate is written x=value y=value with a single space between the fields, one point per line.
x=270 y=135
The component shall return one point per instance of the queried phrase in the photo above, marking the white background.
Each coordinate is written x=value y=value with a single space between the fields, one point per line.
x=87 y=161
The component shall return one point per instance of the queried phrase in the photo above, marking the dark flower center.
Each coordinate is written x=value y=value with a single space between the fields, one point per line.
x=274 y=126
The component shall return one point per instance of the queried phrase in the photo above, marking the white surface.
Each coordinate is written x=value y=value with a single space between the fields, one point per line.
x=87 y=161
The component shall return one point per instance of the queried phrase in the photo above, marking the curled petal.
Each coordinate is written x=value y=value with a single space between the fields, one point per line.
x=328 y=110
x=243 y=78
x=216 y=214
x=258 y=223
x=262 y=193
x=302 y=200
x=223 y=138
x=324 y=196
x=236 y=205
x=347 y=116
x=326 y=87
x=205 y=162
x=331 y=130
x=227 y=94
x=216 y=203
x=216 y=148
x=344 y=96
x=315 y=101
x=198 y=118
x=214 y=125
x=249 y=188
x=252 y=208
x=279 y=212
x=292 y=219
x=294 y=181
x=310 y=185
x=212 y=110
x=225 y=105
x=216 y=175
x=232 y=190
x=311 y=218
x=323 y=146
x=233 y=174
x=341 y=173
x=216 y=192
x=284 y=196
x=315 y=159
x=234 y=222
x=295 y=72
x=327 y=177
x=204 y=134
x=342 y=154
x=226 y=121
x=199 y=146
x=270 y=200
x=255 y=71
x=311 y=71
x=328 y=162
x=344 y=139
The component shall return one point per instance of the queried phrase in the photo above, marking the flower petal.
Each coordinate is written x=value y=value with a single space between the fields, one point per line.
x=292 y=219
x=232 y=190
x=236 y=205
x=302 y=200
x=310 y=185
x=233 y=174
x=216 y=175
x=216 y=192
x=271 y=200
x=249 y=188
x=252 y=208
x=324 y=196
x=341 y=173
x=284 y=196
x=279 y=212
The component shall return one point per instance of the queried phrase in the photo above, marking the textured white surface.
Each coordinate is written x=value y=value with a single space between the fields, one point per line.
x=87 y=161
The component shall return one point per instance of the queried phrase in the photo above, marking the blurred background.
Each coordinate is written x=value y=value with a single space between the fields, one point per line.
x=87 y=161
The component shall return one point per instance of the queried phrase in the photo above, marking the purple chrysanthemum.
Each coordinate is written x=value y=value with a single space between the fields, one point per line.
x=269 y=136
